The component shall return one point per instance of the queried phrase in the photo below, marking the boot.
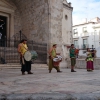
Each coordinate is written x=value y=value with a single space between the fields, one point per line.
x=23 y=73
x=59 y=71
x=49 y=71
x=30 y=73
x=72 y=70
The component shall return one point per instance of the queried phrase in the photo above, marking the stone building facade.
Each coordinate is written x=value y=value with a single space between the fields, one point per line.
x=43 y=21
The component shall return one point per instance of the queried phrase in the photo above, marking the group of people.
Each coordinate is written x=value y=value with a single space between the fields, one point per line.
x=54 y=58
x=26 y=65
x=90 y=55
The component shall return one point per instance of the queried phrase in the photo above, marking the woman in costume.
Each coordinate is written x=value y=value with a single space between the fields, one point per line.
x=89 y=60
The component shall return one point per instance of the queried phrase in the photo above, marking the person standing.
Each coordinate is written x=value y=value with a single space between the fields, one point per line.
x=89 y=60
x=26 y=65
x=93 y=52
x=52 y=54
x=72 y=57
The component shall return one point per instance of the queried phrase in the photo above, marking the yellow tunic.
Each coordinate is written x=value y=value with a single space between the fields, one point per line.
x=53 y=54
x=23 y=48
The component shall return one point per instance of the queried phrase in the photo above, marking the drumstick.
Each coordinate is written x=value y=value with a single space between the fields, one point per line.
x=23 y=60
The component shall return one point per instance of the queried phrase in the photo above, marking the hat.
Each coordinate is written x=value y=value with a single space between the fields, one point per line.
x=54 y=44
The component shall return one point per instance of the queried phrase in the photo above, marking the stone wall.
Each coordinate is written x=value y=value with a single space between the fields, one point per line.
x=43 y=21
x=55 y=24
x=56 y=10
x=17 y=21
x=34 y=19
x=60 y=30
x=67 y=24
x=66 y=28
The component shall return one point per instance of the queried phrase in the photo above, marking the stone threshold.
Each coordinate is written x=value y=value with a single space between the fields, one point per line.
x=51 y=96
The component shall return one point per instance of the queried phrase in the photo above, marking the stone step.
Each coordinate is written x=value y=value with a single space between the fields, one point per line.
x=16 y=59
x=10 y=65
x=63 y=95
x=12 y=61
x=40 y=62
x=16 y=65
x=39 y=66
x=12 y=58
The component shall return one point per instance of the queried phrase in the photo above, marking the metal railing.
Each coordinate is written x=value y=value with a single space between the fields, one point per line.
x=9 y=53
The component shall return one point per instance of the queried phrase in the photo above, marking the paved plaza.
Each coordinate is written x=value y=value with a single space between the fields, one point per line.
x=78 y=83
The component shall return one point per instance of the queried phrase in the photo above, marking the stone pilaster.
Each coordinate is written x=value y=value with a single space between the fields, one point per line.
x=12 y=24
x=60 y=27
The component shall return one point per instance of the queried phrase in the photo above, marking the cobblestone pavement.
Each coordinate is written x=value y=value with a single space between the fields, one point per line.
x=80 y=82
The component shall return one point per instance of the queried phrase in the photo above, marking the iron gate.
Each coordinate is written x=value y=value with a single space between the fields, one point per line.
x=9 y=54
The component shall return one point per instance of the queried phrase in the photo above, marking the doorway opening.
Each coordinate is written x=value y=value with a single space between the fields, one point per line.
x=3 y=30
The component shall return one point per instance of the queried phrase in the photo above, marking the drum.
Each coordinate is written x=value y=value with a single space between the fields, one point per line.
x=57 y=60
x=27 y=56
x=34 y=55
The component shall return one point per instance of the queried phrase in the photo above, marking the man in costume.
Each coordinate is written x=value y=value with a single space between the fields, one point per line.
x=26 y=65
x=52 y=54
x=72 y=57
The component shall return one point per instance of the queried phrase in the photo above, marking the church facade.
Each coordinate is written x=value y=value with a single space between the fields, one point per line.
x=43 y=21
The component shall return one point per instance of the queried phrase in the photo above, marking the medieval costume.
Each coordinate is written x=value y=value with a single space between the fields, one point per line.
x=89 y=61
x=72 y=57
x=26 y=65
x=52 y=54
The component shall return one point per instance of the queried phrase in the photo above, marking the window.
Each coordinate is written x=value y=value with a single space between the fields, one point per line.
x=84 y=43
x=66 y=17
x=84 y=29
x=76 y=43
x=95 y=31
x=75 y=31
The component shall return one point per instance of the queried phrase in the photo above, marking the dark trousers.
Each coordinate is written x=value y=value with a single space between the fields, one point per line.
x=26 y=66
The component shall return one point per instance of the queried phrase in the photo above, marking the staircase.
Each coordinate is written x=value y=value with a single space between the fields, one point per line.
x=10 y=65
